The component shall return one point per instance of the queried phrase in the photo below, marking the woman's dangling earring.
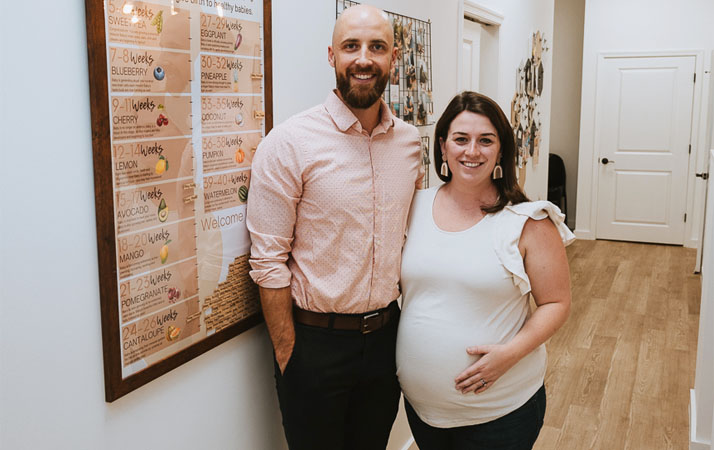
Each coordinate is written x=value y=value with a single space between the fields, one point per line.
x=498 y=171
x=444 y=169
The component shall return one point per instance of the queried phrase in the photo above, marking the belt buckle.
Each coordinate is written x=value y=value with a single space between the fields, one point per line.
x=366 y=326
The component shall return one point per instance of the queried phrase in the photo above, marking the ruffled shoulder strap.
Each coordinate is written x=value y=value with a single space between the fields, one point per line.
x=511 y=221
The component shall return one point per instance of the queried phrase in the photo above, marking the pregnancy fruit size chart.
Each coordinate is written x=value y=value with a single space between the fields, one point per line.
x=185 y=92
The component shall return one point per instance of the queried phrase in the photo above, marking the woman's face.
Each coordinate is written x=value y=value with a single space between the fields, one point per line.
x=471 y=149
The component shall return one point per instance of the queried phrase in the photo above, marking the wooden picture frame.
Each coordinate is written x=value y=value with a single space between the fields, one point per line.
x=195 y=313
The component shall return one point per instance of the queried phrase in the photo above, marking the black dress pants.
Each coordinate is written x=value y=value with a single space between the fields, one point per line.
x=339 y=390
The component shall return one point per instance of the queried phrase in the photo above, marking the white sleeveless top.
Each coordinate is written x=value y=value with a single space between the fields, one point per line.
x=462 y=289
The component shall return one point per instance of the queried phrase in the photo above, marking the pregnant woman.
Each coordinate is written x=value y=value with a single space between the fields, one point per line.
x=470 y=351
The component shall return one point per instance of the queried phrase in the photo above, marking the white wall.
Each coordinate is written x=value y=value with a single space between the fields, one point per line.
x=52 y=390
x=644 y=26
x=51 y=382
x=567 y=76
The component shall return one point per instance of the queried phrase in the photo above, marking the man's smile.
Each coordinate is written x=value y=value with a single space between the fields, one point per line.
x=363 y=76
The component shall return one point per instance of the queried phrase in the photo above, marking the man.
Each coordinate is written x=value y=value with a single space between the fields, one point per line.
x=329 y=197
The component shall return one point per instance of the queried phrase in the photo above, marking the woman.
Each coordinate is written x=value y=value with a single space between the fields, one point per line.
x=470 y=353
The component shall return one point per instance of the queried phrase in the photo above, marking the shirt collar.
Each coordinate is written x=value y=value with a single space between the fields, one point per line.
x=345 y=119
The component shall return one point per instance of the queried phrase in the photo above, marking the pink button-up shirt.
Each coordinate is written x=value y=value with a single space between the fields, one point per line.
x=328 y=207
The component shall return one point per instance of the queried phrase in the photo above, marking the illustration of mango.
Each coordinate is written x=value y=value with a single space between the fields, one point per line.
x=162 y=165
x=163 y=210
x=172 y=333
x=240 y=155
x=243 y=193
x=164 y=252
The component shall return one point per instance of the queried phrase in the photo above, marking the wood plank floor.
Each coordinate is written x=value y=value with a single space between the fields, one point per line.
x=620 y=369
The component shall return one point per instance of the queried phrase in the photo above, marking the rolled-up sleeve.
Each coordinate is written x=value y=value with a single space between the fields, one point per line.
x=275 y=191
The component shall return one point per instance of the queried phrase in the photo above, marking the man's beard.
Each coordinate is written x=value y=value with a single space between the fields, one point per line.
x=361 y=97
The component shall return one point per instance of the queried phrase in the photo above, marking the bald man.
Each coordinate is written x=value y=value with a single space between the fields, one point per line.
x=329 y=197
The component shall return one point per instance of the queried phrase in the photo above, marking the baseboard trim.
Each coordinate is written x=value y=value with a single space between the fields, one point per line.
x=584 y=234
x=694 y=444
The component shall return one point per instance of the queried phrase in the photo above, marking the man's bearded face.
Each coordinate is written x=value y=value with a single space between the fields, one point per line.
x=359 y=93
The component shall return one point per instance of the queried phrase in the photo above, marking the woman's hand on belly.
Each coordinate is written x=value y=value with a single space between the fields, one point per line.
x=494 y=362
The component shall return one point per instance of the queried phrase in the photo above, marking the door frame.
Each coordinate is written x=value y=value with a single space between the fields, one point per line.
x=468 y=8
x=588 y=170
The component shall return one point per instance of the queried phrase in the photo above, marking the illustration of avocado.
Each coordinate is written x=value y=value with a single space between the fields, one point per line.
x=243 y=193
x=162 y=165
x=164 y=252
x=172 y=333
x=163 y=211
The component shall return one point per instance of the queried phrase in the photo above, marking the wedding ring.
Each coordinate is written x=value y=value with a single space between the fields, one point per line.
x=483 y=382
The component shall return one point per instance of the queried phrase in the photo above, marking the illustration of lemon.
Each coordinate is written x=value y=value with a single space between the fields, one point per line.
x=161 y=165
x=164 y=252
x=172 y=333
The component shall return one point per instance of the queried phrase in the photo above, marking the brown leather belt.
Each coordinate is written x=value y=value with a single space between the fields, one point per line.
x=364 y=323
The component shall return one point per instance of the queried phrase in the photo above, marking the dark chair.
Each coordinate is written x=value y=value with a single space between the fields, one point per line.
x=556 y=182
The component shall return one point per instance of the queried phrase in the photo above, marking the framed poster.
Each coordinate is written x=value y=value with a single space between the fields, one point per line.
x=181 y=96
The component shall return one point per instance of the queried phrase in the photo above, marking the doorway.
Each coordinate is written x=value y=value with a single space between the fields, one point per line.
x=477 y=65
x=642 y=142
x=471 y=55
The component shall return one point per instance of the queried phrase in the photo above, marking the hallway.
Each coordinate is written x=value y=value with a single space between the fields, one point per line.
x=620 y=370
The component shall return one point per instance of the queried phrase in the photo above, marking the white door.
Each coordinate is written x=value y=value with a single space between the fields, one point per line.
x=471 y=52
x=642 y=137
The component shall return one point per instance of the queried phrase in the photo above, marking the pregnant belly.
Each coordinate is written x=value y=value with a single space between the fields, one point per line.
x=430 y=356
x=431 y=352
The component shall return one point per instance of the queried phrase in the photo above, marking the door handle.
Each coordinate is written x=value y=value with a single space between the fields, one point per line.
x=606 y=161
x=703 y=175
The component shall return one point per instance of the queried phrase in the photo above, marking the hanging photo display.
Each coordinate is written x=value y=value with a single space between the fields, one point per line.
x=425 y=161
x=525 y=110
x=408 y=93
x=181 y=97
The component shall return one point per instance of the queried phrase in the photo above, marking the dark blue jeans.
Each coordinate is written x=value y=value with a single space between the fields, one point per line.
x=339 y=390
x=517 y=430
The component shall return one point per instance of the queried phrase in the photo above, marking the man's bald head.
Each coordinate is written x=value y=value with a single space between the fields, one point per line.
x=361 y=15
x=362 y=53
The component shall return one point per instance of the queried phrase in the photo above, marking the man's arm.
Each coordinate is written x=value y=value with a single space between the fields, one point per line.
x=275 y=191
x=277 y=307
